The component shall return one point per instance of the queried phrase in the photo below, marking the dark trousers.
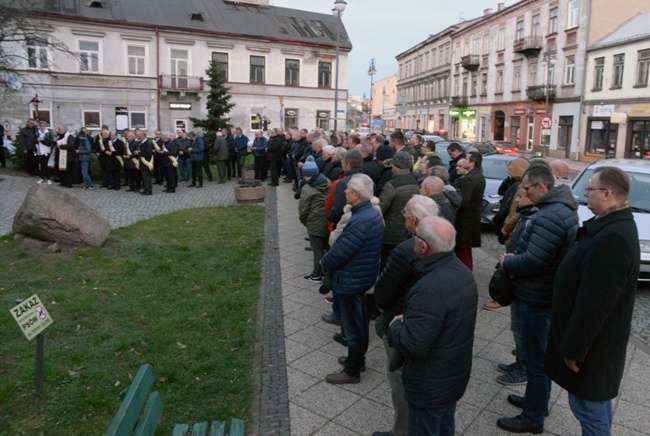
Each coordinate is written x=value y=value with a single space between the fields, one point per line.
x=318 y=246
x=275 y=167
x=3 y=158
x=438 y=422
x=354 y=319
x=113 y=179
x=197 y=172
x=296 y=172
x=31 y=162
x=43 y=169
x=465 y=256
x=386 y=249
x=221 y=169
x=206 y=165
x=134 y=179
x=146 y=179
x=241 y=160
x=288 y=168
x=69 y=175
x=170 y=177
x=158 y=171
x=231 y=166
x=260 y=168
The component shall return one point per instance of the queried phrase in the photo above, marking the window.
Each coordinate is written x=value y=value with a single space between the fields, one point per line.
x=138 y=118
x=486 y=44
x=484 y=84
x=475 y=47
x=292 y=72
x=136 y=55
x=520 y=30
x=570 y=70
x=456 y=87
x=552 y=21
x=179 y=62
x=324 y=74
x=516 y=82
x=290 y=118
x=598 y=73
x=464 y=94
x=221 y=63
x=515 y=129
x=502 y=38
x=643 y=67
x=499 y=84
x=574 y=11
x=619 y=62
x=257 y=69
x=532 y=74
x=89 y=56
x=535 y=30
x=474 y=85
x=441 y=56
x=37 y=53
x=91 y=118
x=41 y=112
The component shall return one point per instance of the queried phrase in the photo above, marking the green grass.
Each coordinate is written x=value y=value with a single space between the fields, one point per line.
x=178 y=292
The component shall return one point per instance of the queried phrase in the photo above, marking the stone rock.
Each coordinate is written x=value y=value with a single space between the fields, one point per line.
x=30 y=244
x=51 y=214
x=54 y=248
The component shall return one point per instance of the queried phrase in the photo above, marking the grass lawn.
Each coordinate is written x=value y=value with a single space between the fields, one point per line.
x=178 y=292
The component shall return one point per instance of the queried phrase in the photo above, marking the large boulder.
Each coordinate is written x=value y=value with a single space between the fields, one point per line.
x=51 y=214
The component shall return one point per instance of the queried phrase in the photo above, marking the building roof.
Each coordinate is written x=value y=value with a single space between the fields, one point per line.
x=214 y=16
x=637 y=27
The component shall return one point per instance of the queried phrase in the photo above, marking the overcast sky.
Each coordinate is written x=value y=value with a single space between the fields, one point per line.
x=382 y=29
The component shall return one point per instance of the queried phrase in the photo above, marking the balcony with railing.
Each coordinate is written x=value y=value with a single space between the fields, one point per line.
x=471 y=62
x=181 y=83
x=528 y=46
x=538 y=93
x=459 y=101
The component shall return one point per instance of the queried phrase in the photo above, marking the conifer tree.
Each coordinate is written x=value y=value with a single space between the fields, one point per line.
x=218 y=102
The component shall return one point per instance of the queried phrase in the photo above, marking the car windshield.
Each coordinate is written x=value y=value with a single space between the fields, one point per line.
x=639 y=190
x=495 y=168
x=444 y=154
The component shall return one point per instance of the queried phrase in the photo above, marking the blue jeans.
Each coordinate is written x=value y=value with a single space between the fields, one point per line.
x=595 y=417
x=515 y=327
x=84 y=172
x=185 y=168
x=431 y=421
x=535 y=323
x=354 y=318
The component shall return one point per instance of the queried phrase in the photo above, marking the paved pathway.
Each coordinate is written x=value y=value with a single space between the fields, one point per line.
x=297 y=349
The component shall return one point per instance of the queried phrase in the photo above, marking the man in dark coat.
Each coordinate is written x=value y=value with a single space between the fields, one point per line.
x=28 y=138
x=169 y=162
x=354 y=263
x=260 y=143
x=113 y=150
x=231 y=164
x=434 y=187
x=196 y=149
x=533 y=266
x=435 y=334
x=370 y=167
x=241 y=148
x=145 y=154
x=221 y=154
x=456 y=152
x=468 y=216
x=274 y=154
x=593 y=300
x=67 y=144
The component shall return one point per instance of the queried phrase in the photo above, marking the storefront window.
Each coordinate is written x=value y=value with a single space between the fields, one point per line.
x=601 y=137
x=515 y=127
x=565 y=130
x=640 y=143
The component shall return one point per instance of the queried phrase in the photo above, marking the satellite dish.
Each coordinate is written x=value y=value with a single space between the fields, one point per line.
x=15 y=83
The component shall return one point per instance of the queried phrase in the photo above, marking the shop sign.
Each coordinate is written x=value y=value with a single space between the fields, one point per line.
x=519 y=111
x=291 y=113
x=467 y=113
x=597 y=125
x=323 y=114
x=639 y=110
x=603 y=110
x=180 y=106
x=424 y=111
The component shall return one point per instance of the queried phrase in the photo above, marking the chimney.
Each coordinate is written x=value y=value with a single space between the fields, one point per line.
x=501 y=6
x=487 y=12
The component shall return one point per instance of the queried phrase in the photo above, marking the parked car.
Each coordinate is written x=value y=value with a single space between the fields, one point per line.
x=434 y=138
x=9 y=148
x=482 y=147
x=505 y=147
x=639 y=172
x=495 y=168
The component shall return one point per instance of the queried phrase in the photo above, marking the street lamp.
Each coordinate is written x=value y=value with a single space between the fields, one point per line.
x=401 y=107
x=371 y=72
x=548 y=61
x=339 y=7
x=383 y=106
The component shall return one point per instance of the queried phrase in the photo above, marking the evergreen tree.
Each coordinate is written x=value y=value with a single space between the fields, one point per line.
x=218 y=103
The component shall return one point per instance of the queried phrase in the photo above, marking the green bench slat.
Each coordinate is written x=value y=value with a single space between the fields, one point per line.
x=236 y=427
x=181 y=430
x=218 y=428
x=148 y=421
x=200 y=429
x=129 y=410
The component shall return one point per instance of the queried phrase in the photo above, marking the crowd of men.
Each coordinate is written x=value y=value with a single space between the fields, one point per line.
x=394 y=233
x=391 y=230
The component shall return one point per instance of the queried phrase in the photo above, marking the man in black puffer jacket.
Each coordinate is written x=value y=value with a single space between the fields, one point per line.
x=533 y=265
x=436 y=333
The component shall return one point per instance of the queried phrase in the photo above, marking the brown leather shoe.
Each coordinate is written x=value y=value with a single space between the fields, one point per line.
x=341 y=378
x=492 y=305
x=342 y=362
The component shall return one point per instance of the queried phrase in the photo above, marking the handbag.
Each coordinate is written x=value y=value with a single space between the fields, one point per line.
x=500 y=287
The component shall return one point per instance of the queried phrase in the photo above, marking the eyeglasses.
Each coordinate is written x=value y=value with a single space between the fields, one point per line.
x=405 y=212
x=588 y=190
x=526 y=188
x=414 y=233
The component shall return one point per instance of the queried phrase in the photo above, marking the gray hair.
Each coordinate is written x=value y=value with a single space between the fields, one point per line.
x=438 y=233
x=539 y=173
x=421 y=207
x=340 y=153
x=362 y=184
x=441 y=172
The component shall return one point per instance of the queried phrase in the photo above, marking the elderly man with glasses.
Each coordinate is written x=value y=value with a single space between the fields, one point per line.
x=533 y=266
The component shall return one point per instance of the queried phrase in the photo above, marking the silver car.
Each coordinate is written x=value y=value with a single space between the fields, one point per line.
x=495 y=171
x=639 y=172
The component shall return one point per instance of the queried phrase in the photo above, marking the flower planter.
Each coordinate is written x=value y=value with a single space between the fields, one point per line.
x=255 y=194
x=248 y=174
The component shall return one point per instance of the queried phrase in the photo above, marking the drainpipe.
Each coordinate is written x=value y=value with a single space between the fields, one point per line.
x=157 y=79
x=584 y=81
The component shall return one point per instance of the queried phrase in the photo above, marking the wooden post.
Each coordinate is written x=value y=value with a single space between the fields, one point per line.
x=40 y=362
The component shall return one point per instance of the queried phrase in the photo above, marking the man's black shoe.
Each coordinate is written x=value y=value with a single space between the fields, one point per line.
x=342 y=359
x=331 y=319
x=338 y=337
x=518 y=401
x=519 y=424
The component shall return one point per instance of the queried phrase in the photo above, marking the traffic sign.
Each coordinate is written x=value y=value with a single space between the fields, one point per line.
x=546 y=122
x=31 y=316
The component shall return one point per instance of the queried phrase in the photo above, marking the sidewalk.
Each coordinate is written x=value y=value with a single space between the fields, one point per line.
x=317 y=408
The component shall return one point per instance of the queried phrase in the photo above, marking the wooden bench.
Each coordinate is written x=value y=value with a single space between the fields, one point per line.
x=130 y=420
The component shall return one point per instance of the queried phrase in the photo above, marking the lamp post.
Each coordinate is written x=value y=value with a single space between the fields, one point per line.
x=548 y=61
x=401 y=107
x=371 y=72
x=339 y=7
x=383 y=107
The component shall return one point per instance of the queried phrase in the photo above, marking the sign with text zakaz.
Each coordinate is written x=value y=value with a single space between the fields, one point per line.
x=31 y=316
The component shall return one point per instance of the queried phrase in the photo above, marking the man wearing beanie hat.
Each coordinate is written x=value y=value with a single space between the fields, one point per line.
x=310 y=169
x=392 y=199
